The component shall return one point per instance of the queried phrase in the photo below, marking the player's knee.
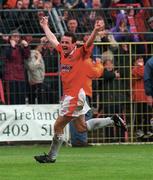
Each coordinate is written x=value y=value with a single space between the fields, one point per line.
x=81 y=129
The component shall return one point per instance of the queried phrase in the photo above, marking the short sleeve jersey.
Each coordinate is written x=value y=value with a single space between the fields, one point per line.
x=73 y=71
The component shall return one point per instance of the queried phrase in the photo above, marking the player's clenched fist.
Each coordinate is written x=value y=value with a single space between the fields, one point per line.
x=44 y=21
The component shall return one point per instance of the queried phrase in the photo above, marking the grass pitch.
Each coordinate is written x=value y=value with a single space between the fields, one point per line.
x=106 y=162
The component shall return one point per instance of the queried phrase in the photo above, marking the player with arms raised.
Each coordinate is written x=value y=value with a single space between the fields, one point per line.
x=73 y=75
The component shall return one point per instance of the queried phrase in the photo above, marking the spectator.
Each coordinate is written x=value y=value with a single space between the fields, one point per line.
x=122 y=63
x=65 y=16
x=3 y=41
x=26 y=4
x=40 y=4
x=72 y=25
x=148 y=80
x=104 y=37
x=51 y=83
x=11 y=20
x=16 y=15
x=36 y=73
x=110 y=98
x=106 y=3
x=35 y=4
x=136 y=21
x=140 y=18
x=149 y=36
x=48 y=6
x=75 y=27
x=57 y=4
x=96 y=5
x=121 y=30
x=9 y=4
x=28 y=38
x=14 y=74
x=27 y=18
x=132 y=23
x=142 y=110
x=19 y=4
x=71 y=4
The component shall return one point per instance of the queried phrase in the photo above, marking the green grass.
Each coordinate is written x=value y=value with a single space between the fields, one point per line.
x=108 y=162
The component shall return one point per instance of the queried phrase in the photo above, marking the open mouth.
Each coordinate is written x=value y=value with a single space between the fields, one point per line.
x=65 y=48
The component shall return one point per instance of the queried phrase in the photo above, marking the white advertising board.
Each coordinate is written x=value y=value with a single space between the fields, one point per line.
x=28 y=122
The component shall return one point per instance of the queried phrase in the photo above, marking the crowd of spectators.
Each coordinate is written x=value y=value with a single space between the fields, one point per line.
x=69 y=3
x=125 y=22
x=128 y=20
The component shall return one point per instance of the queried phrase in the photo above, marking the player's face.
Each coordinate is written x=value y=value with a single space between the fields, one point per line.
x=67 y=45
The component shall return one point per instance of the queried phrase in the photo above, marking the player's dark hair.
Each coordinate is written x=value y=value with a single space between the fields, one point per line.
x=72 y=35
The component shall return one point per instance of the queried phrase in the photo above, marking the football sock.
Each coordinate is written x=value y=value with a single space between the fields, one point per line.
x=97 y=123
x=55 y=146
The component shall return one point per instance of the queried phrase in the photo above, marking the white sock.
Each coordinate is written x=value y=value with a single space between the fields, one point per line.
x=55 y=146
x=97 y=123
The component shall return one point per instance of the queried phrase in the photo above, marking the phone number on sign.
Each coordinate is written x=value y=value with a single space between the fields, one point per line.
x=23 y=130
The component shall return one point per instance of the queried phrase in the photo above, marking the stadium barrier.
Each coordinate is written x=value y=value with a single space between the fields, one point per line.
x=117 y=96
x=103 y=104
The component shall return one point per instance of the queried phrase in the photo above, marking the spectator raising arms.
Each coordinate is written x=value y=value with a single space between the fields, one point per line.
x=14 y=74
x=110 y=98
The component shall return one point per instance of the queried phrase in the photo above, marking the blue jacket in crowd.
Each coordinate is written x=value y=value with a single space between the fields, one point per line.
x=148 y=77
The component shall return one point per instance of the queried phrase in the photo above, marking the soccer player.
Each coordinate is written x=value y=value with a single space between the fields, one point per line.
x=73 y=76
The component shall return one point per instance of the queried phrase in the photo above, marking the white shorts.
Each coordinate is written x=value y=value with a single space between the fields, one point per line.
x=74 y=106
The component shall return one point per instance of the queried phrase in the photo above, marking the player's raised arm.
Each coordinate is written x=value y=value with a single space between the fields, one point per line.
x=51 y=37
x=97 y=28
